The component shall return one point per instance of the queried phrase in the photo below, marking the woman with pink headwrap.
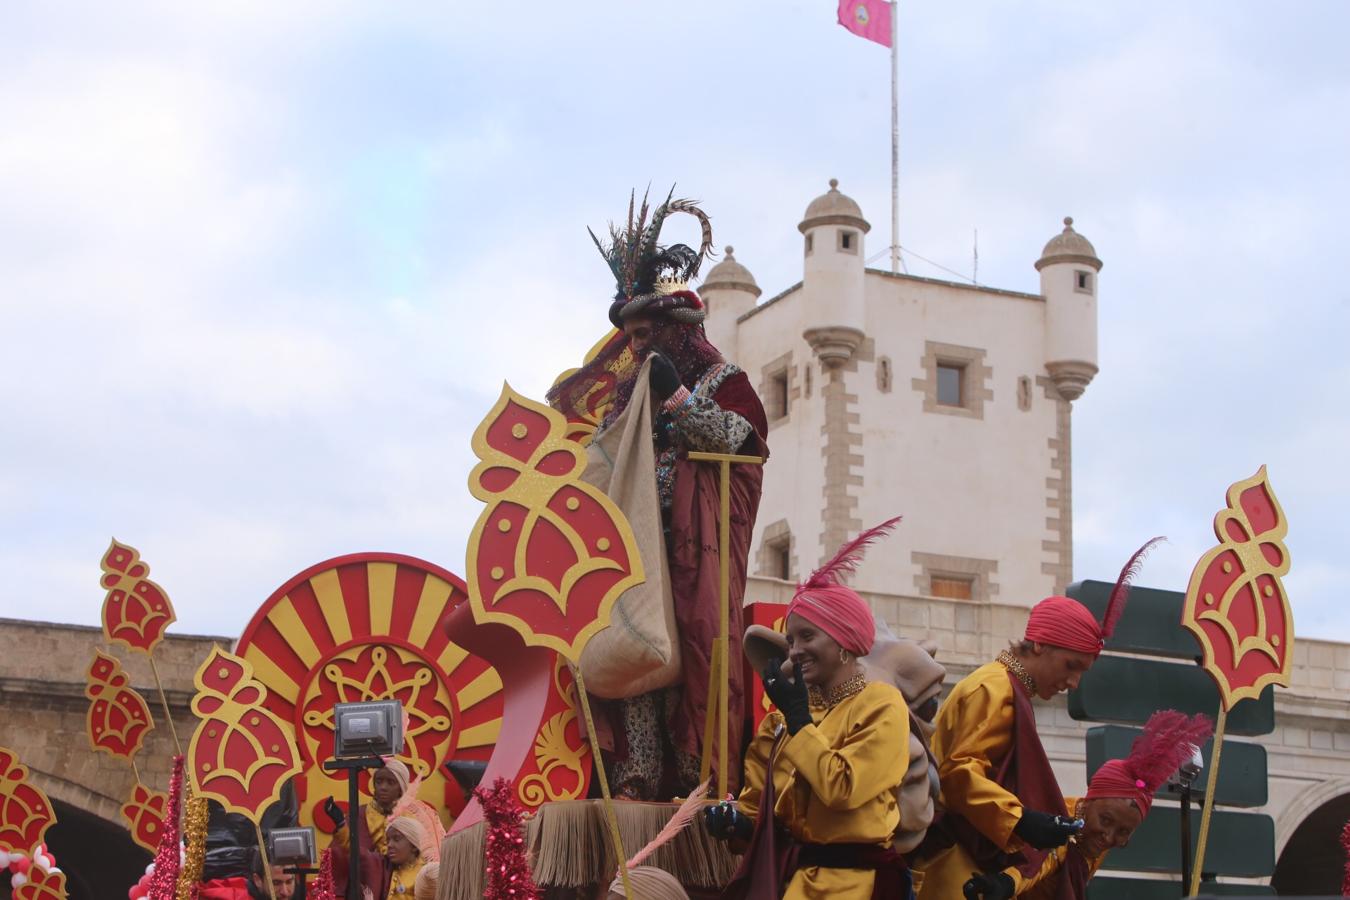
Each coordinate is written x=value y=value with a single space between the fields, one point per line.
x=824 y=765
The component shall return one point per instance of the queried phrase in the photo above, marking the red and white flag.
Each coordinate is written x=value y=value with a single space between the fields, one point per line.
x=869 y=19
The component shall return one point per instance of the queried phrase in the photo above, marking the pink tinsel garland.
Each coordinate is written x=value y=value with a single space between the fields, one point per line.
x=164 y=882
x=508 y=870
x=322 y=888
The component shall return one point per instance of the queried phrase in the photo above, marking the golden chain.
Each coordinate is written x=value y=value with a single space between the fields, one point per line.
x=1015 y=666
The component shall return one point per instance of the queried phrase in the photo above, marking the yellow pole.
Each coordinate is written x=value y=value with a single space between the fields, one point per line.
x=604 y=781
x=723 y=701
x=710 y=717
x=267 y=864
x=1209 y=802
x=164 y=699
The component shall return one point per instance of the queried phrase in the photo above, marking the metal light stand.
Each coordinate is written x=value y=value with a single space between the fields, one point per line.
x=353 y=767
x=1183 y=783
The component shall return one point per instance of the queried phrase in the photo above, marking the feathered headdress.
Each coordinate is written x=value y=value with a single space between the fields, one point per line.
x=649 y=276
x=846 y=560
x=1168 y=740
x=824 y=600
x=1115 y=605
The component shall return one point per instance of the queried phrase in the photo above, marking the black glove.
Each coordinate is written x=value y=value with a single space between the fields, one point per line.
x=992 y=886
x=726 y=822
x=790 y=697
x=334 y=812
x=1044 y=831
x=665 y=378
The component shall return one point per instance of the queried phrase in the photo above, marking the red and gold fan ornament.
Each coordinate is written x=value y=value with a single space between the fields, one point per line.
x=25 y=811
x=118 y=718
x=1235 y=603
x=241 y=753
x=42 y=884
x=550 y=554
x=144 y=813
x=365 y=627
x=136 y=610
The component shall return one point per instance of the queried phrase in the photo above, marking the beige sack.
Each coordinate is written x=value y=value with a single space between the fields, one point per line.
x=640 y=650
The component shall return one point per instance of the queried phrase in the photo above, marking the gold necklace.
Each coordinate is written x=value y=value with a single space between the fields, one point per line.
x=1015 y=666
x=839 y=693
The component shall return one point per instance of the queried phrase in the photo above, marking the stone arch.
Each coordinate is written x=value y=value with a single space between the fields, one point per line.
x=76 y=795
x=1307 y=800
x=1310 y=860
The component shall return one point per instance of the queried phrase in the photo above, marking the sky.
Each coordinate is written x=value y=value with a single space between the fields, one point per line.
x=264 y=267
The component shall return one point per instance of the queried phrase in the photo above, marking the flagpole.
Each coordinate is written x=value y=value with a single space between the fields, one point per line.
x=895 y=137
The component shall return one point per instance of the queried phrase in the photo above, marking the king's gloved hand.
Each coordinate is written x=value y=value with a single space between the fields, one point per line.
x=334 y=812
x=1044 y=831
x=726 y=822
x=790 y=696
x=664 y=377
x=992 y=886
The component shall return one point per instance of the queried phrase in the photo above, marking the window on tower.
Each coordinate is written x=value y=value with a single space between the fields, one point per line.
x=777 y=401
x=848 y=240
x=781 y=556
x=809 y=243
x=950 y=384
x=952 y=587
x=1082 y=281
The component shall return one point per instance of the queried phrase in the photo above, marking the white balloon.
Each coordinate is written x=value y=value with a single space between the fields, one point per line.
x=18 y=880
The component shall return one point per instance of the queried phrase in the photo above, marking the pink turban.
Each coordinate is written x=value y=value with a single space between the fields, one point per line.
x=837 y=610
x=1113 y=779
x=1168 y=739
x=1061 y=622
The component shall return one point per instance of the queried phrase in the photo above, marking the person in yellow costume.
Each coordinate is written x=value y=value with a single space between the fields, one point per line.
x=832 y=771
x=387 y=786
x=406 y=860
x=1118 y=799
x=1003 y=807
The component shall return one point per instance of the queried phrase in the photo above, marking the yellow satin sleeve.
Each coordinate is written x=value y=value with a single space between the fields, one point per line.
x=375 y=821
x=835 y=782
x=974 y=734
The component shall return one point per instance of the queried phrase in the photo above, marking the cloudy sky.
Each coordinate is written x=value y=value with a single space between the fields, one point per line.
x=263 y=266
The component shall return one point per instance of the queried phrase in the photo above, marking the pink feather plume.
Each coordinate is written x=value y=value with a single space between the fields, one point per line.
x=1115 y=606
x=845 y=562
x=1166 y=744
x=678 y=822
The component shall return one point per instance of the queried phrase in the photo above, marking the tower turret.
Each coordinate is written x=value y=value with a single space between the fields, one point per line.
x=729 y=291
x=832 y=275
x=1069 y=267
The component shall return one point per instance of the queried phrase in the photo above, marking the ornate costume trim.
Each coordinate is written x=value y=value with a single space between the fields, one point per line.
x=849 y=687
x=1014 y=665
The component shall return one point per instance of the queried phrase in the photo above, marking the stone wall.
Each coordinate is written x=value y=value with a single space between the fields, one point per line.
x=43 y=710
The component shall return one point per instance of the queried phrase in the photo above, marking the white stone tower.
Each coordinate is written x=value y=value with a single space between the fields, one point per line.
x=1069 y=267
x=729 y=291
x=832 y=276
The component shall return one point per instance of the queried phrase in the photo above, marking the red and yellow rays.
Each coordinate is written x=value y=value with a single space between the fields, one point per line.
x=118 y=718
x=136 y=610
x=365 y=627
x=1235 y=603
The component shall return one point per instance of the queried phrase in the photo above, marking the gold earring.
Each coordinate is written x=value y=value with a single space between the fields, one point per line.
x=843 y=655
